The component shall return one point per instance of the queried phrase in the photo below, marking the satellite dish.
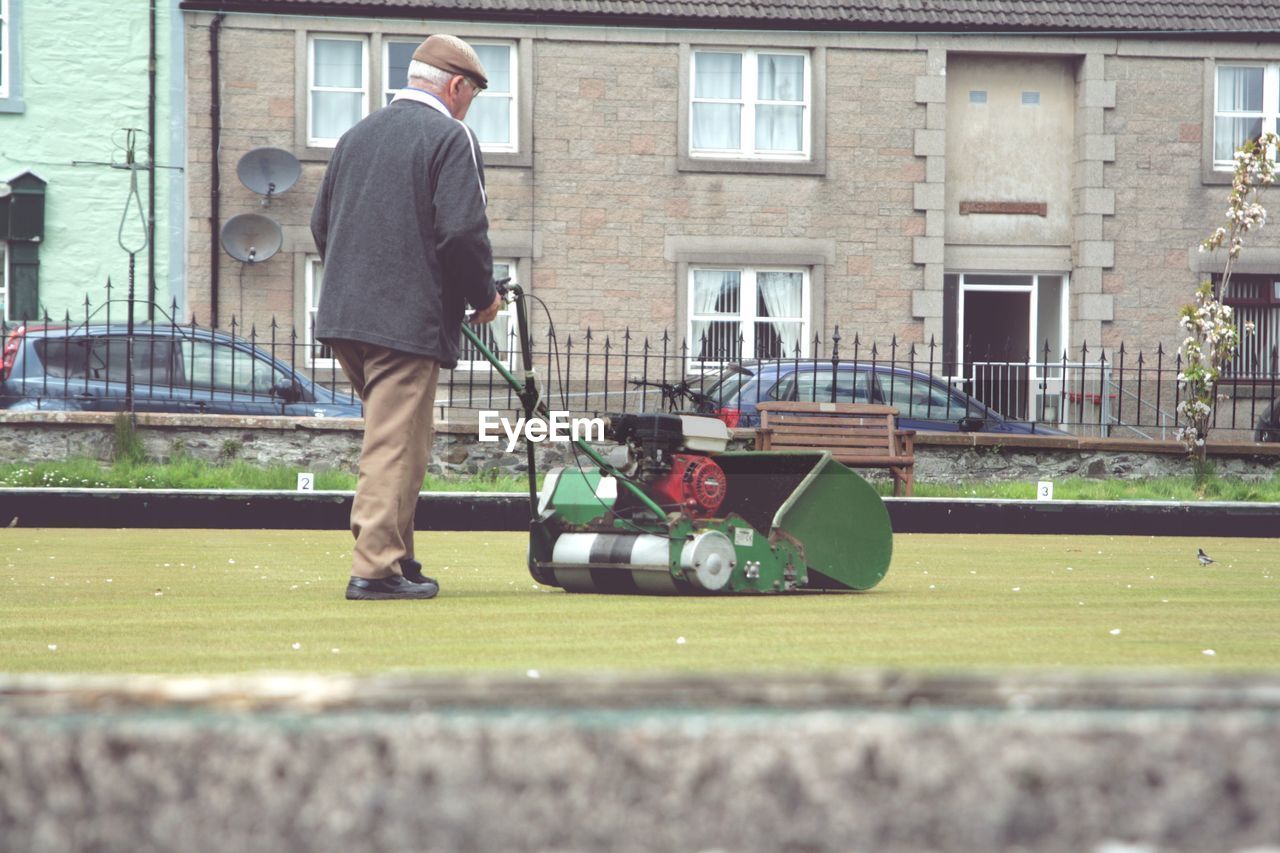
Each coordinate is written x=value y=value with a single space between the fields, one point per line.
x=268 y=171
x=251 y=237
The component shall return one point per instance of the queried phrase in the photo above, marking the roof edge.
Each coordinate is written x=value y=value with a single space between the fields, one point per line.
x=320 y=8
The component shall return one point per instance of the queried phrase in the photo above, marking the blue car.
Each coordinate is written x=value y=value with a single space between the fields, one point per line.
x=924 y=402
x=176 y=369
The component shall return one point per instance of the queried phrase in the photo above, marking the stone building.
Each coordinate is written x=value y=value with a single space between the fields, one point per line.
x=768 y=171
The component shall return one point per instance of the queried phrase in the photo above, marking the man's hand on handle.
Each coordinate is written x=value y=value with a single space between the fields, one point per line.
x=480 y=317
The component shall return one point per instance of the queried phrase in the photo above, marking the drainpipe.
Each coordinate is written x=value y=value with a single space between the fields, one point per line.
x=151 y=169
x=215 y=141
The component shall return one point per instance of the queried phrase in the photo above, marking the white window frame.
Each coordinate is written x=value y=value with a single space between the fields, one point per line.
x=313 y=263
x=1270 y=106
x=6 y=43
x=513 y=109
x=508 y=312
x=749 y=102
x=747 y=316
x=4 y=281
x=314 y=141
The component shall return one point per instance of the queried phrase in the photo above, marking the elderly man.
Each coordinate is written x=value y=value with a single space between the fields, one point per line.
x=400 y=224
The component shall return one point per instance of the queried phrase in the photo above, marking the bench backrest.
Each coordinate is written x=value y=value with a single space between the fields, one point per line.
x=846 y=429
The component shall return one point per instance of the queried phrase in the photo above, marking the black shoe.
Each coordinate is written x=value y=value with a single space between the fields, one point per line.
x=412 y=571
x=394 y=587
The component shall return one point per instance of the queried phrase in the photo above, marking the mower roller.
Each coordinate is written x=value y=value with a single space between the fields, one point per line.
x=670 y=511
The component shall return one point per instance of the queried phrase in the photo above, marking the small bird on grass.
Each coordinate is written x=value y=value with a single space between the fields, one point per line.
x=1204 y=558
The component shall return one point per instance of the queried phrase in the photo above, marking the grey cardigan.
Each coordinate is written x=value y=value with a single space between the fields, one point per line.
x=400 y=224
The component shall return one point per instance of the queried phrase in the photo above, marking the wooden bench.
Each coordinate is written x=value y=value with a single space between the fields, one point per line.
x=860 y=435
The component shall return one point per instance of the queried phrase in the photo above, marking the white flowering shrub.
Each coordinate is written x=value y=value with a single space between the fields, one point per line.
x=1211 y=335
x=1210 y=342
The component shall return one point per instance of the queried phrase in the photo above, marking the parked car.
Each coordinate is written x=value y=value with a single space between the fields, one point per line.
x=179 y=369
x=924 y=402
x=1269 y=423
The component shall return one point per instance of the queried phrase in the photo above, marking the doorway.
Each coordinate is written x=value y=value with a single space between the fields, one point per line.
x=1012 y=328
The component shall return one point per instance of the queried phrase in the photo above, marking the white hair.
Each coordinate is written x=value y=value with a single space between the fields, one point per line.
x=438 y=77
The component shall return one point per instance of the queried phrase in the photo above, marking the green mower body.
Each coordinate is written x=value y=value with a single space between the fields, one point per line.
x=789 y=522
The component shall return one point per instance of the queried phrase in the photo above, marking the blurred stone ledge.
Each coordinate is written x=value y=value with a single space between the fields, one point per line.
x=876 y=761
x=25 y=695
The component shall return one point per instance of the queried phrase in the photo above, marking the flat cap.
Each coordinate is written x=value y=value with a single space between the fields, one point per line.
x=452 y=54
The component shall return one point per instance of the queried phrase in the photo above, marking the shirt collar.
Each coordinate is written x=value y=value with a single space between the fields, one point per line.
x=422 y=96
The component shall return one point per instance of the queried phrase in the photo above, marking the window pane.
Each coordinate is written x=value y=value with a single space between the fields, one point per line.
x=915 y=398
x=318 y=350
x=717 y=126
x=780 y=294
x=817 y=385
x=399 y=54
x=1230 y=133
x=779 y=128
x=717 y=75
x=490 y=118
x=779 y=339
x=716 y=291
x=496 y=59
x=780 y=78
x=338 y=63
x=716 y=340
x=334 y=113
x=1240 y=89
x=228 y=368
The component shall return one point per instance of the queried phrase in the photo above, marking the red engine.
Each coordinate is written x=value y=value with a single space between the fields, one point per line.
x=696 y=483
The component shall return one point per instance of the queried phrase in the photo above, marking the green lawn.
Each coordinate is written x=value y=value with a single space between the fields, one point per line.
x=206 y=601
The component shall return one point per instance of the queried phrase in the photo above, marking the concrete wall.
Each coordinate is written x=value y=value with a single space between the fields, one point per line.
x=1001 y=149
x=83 y=76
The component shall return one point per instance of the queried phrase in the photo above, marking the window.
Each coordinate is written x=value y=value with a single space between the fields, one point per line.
x=1246 y=105
x=107 y=359
x=10 y=57
x=816 y=385
x=750 y=104
x=337 y=74
x=500 y=336
x=918 y=398
x=5 y=27
x=747 y=313
x=318 y=355
x=1255 y=299
x=222 y=367
x=493 y=114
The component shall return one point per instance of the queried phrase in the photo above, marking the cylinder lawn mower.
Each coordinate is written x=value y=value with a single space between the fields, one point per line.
x=669 y=510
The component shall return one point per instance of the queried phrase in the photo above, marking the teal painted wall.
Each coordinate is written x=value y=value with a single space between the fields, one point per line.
x=83 y=70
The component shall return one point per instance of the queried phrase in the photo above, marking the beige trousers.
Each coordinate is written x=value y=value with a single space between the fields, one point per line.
x=398 y=391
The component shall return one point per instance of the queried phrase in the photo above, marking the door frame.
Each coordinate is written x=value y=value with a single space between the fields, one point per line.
x=1037 y=372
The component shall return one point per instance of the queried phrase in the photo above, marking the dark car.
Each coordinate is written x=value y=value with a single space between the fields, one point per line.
x=179 y=369
x=924 y=402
